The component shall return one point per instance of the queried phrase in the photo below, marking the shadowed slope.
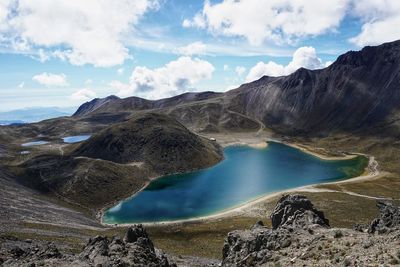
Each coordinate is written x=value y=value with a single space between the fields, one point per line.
x=154 y=139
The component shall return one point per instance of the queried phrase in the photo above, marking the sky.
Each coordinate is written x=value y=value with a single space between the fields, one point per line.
x=66 y=52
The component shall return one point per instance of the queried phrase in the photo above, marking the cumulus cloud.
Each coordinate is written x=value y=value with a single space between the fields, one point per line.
x=175 y=77
x=83 y=32
x=305 y=57
x=381 y=20
x=196 y=48
x=50 y=79
x=265 y=20
x=83 y=95
x=123 y=89
x=226 y=67
x=197 y=21
x=5 y=8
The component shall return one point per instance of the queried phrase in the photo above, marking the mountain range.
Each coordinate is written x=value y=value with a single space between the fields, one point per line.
x=359 y=90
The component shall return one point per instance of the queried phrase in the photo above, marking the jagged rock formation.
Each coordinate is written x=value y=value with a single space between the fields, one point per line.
x=296 y=211
x=301 y=236
x=389 y=218
x=136 y=249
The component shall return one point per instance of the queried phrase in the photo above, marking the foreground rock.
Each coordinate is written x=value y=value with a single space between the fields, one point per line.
x=136 y=249
x=301 y=236
x=296 y=211
x=389 y=219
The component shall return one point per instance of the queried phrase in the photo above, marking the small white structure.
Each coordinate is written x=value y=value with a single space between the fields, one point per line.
x=213 y=139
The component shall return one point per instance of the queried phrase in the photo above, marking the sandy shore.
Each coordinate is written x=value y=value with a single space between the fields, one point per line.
x=371 y=172
x=324 y=157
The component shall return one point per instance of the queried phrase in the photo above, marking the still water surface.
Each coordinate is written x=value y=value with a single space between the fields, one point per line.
x=76 y=138
x=245 y=174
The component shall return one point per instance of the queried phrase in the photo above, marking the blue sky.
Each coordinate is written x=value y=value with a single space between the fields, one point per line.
x=63 y=53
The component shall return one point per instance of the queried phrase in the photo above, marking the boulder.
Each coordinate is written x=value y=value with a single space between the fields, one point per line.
x=388 y=220
x=296 y=211
x=134 y=233
x=136 y=249
x=256 y=246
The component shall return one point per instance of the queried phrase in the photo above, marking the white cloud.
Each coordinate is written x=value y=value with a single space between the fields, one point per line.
x=21 y=85
x=120 y=71
x=83 y=95
x=381 y=21
x=83 y=32
x=123 y=89
x=175 y=77
x=230 y=87
x=197 y=21
x=240 y=70
x=42 y=56
x=226 y=67
x=281 y=21
x=4 y=12
x=50 y=79
x=196 y=48
x=305 y=57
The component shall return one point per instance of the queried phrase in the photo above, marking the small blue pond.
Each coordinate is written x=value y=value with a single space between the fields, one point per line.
x=76 y=138
x=34 y=143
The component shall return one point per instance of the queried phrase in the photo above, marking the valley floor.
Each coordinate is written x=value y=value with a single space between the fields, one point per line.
x=27 y=215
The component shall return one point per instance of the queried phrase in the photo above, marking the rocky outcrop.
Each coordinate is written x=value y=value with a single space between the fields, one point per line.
x=256 y=246
x=301 y=236
x=136 y=249
x=296 y=211
x=389 y=218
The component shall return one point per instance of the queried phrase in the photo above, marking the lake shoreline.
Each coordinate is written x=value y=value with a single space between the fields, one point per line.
x=371 y=171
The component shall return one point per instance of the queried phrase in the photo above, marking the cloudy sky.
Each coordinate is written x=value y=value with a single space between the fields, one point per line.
x=66 y=52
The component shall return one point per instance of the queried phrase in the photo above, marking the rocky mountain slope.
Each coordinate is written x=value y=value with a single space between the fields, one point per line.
x=359 y=90
x=118 y=161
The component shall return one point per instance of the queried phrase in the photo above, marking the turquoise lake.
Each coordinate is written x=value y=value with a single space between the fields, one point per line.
x=245 y=174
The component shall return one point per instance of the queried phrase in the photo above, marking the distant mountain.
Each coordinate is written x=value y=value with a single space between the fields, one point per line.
x=360 y=90
x=33 y=114
x=11 y=122
x=116 y=104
